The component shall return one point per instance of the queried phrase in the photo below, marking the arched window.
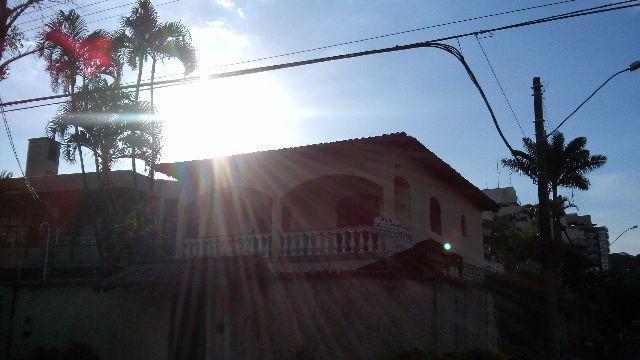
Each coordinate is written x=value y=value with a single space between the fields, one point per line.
x=463 y=225
x=434 y=216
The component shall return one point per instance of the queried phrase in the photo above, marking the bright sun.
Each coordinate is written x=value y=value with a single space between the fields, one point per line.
x=228 y=116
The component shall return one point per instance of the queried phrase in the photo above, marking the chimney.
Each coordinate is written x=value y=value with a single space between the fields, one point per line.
x=43 y=157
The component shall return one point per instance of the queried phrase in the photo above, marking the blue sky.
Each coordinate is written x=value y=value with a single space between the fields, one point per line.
x=423 y=92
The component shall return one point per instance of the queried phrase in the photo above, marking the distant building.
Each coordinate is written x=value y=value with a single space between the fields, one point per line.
x=592 y=239
x=509 y=204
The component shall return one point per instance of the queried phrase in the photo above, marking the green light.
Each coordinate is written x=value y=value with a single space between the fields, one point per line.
x=447 y=246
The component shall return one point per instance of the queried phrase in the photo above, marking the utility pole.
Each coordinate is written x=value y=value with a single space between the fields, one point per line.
x=544 y=221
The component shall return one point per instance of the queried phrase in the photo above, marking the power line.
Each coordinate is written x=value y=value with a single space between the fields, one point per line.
x=423 y=44
x=130 y=90
x=376 y=37
x=15 y=153
x=56 y=5
x=106 y=10
x=500 y=86
x=587 y=99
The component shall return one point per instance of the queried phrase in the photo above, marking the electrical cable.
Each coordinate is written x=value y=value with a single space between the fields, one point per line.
x=433 y=43
x=102 y=11
x=500 y=86
x=585 y=101
x=56 y=5
x=584 y=12
x=242 y=62
x=15 y=154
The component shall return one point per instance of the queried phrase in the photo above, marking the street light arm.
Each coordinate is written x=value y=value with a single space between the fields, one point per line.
x=631 y=228
x=630 y=68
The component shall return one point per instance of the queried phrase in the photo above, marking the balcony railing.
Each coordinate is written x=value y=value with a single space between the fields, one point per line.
x=232 y=245
x=347 y=241
x=354 y=241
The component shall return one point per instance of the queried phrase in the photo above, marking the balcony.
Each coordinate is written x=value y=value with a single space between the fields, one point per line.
x=364 y=241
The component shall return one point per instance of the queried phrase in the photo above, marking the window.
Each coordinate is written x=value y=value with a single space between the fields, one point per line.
x=434 y=216
x=463 y=225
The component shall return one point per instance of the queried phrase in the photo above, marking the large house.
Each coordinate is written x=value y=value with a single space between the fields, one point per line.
x=332 y=250
x=329 y=206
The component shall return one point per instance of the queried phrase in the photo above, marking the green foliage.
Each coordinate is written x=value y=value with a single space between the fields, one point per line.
x=109 y=119
x=512 y=245
x=567 y=166
x=14 y=45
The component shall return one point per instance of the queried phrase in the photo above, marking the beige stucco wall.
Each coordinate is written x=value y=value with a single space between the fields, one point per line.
x=275 y=175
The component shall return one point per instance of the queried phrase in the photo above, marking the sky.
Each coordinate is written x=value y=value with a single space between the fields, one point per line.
x=423 y=92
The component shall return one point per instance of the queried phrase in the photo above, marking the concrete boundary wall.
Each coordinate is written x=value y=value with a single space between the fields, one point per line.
x=273 y=317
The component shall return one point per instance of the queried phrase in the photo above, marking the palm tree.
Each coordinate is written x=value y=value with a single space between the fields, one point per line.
x=142 y=37
x=71 y=53
x=105 y=115
x=64 y=67
x=567 y=165
x=169 y=40
x=133 y=44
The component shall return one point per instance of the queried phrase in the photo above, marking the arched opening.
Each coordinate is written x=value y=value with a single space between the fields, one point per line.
x=435 y=217
x=402 y=201
x=239 y=211
x=357 y=210
x=331 y=201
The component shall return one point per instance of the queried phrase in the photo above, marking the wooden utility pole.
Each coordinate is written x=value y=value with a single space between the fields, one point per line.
x=544 y=221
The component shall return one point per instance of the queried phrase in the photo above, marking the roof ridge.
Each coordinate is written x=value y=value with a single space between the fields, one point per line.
x=299 y=147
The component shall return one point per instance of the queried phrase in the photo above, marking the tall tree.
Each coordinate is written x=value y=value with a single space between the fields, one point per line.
x=13 y=42
x=567 y=165
x=133 y=42
x=104 y=113
x=170 y=40
x=64 y=67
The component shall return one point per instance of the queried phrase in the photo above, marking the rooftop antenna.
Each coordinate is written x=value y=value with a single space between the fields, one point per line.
x=498 y=172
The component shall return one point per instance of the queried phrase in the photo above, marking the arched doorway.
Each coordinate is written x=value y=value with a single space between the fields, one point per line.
x=330 y=202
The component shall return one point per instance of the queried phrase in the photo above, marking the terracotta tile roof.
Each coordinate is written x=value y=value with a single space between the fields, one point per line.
x=399 y=139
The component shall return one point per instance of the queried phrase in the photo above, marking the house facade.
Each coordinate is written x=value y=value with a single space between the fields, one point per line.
x=328 y=251
x=331 y=206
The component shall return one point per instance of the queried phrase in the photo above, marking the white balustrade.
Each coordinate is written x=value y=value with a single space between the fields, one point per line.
x=359 y=240
x=231 y=245
x=346 y=241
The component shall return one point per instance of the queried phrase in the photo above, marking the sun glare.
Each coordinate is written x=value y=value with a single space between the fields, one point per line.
x=222 y=117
